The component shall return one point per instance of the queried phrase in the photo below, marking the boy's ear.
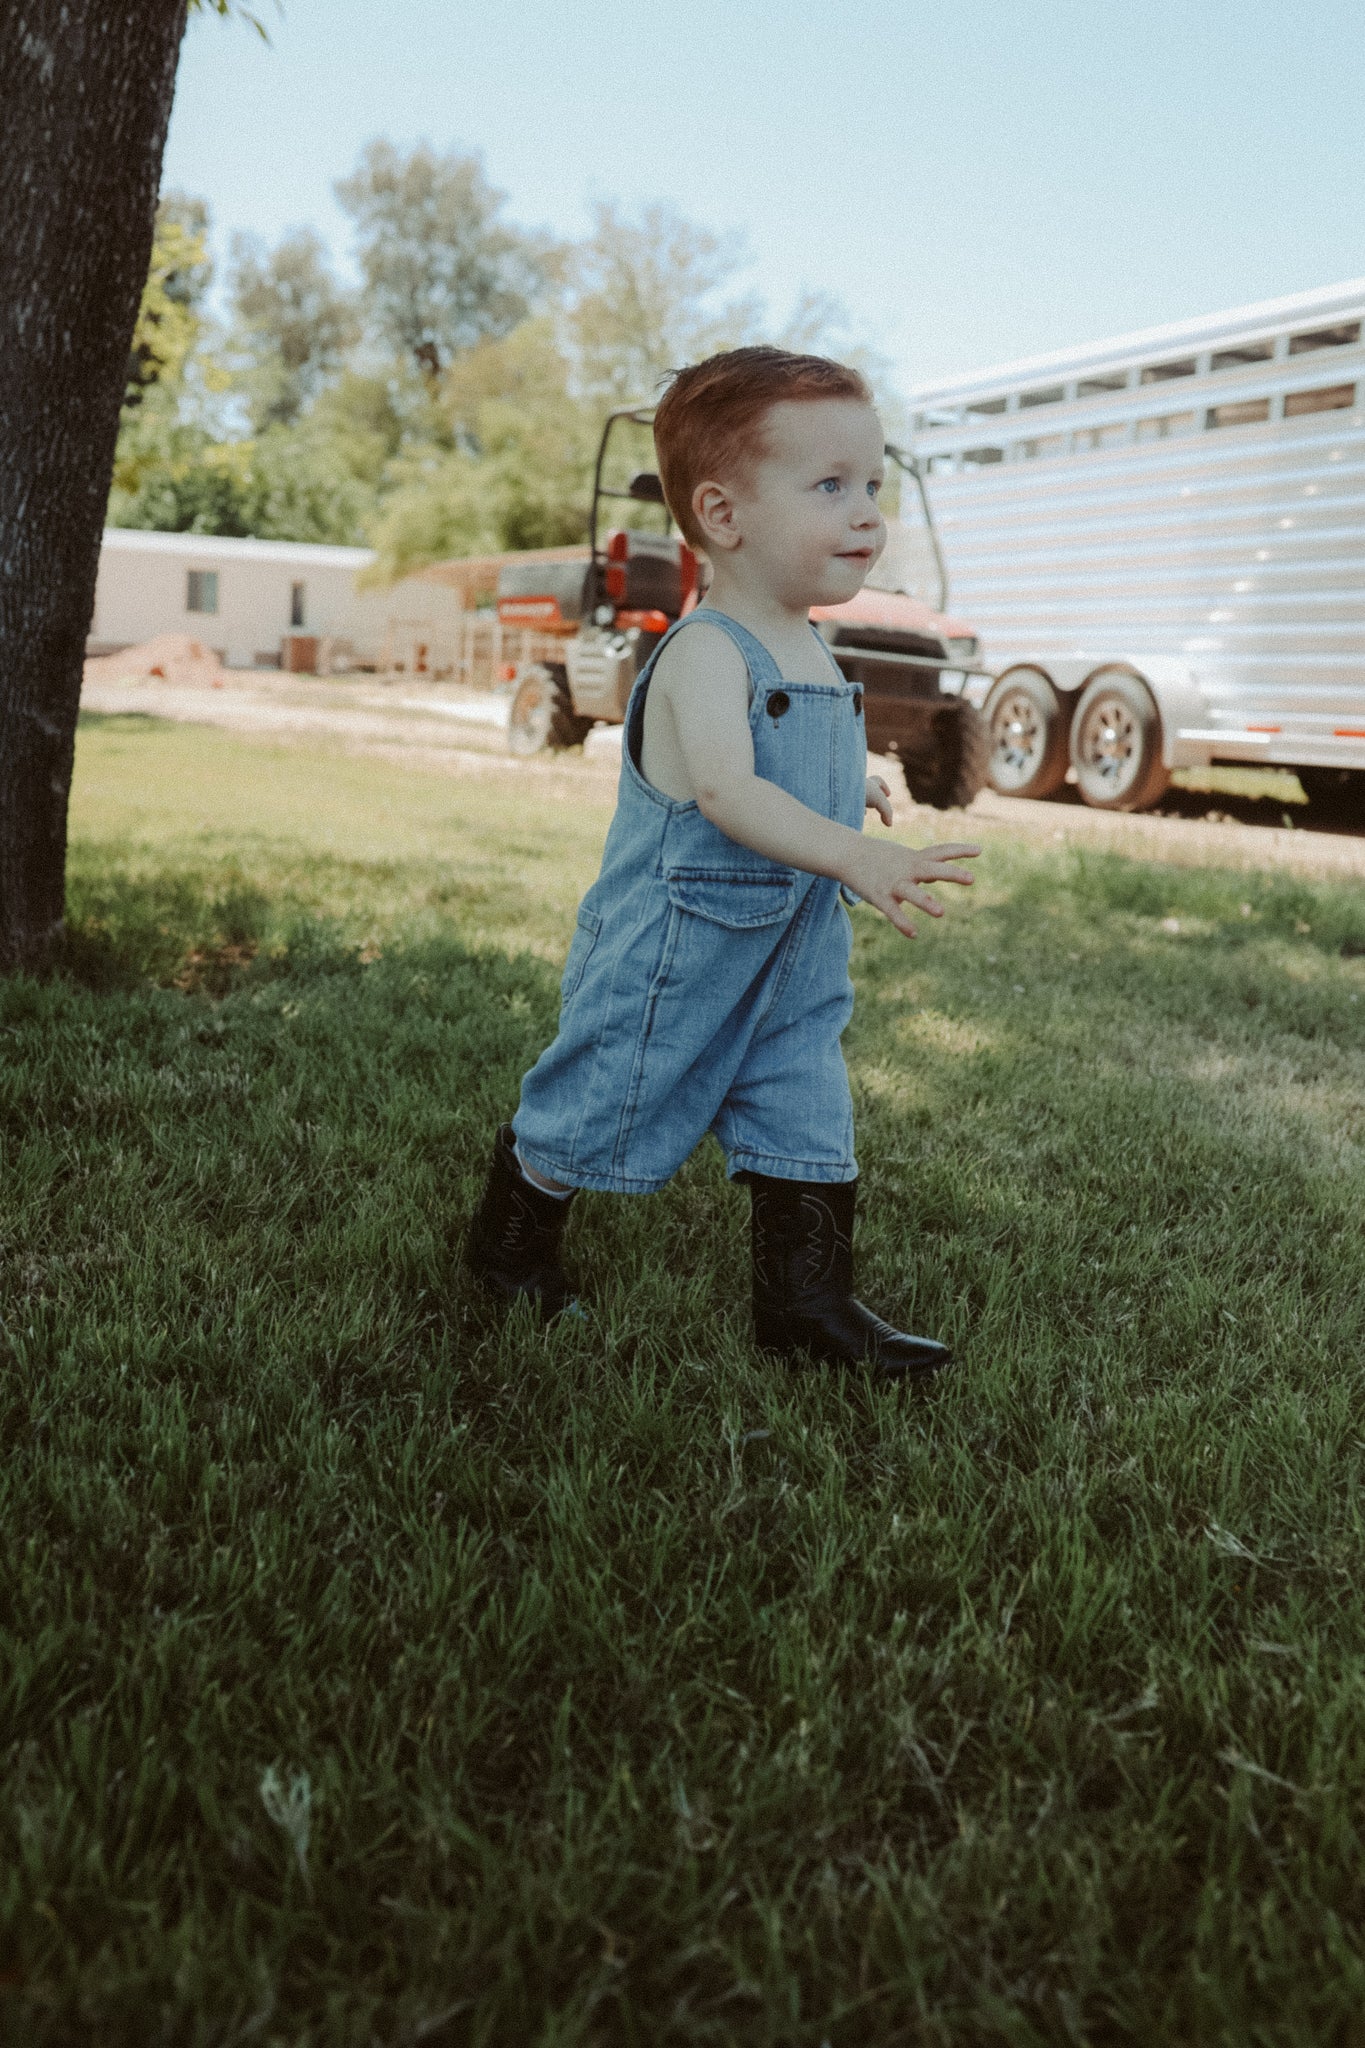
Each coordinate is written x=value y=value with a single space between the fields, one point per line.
x=713 y=508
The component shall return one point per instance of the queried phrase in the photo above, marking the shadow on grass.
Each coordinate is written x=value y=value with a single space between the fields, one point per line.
x=181 y=930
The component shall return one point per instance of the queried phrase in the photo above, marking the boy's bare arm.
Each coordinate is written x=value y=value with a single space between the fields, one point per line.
x=706 y=691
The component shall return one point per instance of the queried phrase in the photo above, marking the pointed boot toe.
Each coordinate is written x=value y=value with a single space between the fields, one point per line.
x=804 y=1303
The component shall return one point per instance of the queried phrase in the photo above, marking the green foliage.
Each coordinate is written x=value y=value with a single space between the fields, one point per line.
x=168 y=324
x=442 y=270
x=516 y=470
x=375 y=1672
x=295 y=325
x=451 y=404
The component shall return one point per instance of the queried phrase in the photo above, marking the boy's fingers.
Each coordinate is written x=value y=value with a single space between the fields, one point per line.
x=956 y=850
x=907 y=892
x=892 y=912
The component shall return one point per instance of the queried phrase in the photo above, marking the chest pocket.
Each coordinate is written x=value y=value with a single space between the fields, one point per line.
x=736 y=899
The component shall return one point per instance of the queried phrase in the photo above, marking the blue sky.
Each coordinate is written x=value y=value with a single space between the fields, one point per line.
x=974 y=179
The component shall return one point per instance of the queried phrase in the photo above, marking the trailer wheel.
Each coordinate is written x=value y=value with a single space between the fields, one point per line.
x=1028 y=750
x=950 y=770
x=1116 y=744
x=1335 y=795
x=542 y=713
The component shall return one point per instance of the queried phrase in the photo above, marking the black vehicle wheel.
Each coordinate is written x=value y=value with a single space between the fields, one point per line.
x=946 y=765
x=1027 y=728
x=1335 y=795
x=1116 y=744
x=542 y=713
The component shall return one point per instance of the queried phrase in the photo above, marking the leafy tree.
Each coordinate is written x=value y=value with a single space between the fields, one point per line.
x=515 y=466
x=295 y=324
x=442 y=270
x=643 y=301
x=168 y=325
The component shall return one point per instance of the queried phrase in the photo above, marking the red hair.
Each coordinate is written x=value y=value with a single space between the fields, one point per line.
x=709 y=422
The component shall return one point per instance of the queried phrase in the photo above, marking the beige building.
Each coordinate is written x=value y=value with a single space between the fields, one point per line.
x=247 y=598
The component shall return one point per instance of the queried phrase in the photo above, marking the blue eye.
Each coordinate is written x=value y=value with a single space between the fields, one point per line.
x=874 y=487
x=829 y=483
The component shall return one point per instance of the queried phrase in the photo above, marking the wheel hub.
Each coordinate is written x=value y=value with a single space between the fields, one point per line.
x=1018 y=737
x=1109 y=744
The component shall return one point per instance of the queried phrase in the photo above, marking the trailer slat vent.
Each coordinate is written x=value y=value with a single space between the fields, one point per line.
x=1161 y=373
x=1245 y=352
x=1239 y=412
x=1327 y=398
x=1325 y=337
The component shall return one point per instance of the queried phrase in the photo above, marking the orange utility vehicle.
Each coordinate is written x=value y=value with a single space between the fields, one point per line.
x=611 y=611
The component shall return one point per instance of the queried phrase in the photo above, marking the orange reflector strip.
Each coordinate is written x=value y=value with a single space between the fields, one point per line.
x=1349 y=732
x=1265 y=728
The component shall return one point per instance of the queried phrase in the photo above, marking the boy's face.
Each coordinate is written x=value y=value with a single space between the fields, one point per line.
x=806 y=516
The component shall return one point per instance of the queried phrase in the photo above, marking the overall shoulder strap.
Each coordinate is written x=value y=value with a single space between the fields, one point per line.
x=828 y=653
x=763 y=670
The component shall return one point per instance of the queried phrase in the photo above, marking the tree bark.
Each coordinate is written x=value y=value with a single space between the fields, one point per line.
x=85 y=98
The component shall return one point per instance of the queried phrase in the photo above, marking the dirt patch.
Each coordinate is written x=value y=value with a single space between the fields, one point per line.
x=169 y=658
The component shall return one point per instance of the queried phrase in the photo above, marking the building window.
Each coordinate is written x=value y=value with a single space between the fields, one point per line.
x=1329 y=398
x=201 y=590
x=1325 y=337
x=1112 y=380
x=1161 y=373
x=977 y=457
x=1245 y=352
x=296 y=592
x=1168 y=423
x=1240 y=414
x=1052 y=395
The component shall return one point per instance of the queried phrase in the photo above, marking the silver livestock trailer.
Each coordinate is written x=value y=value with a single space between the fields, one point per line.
x=1161 y=540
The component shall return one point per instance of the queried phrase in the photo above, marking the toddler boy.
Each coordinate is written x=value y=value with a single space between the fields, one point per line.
x=707 y=985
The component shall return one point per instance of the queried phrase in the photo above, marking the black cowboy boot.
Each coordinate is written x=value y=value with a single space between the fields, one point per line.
x=513 y=1241
x=803 y=1283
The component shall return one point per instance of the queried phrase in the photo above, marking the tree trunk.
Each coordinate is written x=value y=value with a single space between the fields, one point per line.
x=85 y=98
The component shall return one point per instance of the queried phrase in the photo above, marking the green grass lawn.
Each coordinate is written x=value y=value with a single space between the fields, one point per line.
x=370 y=1673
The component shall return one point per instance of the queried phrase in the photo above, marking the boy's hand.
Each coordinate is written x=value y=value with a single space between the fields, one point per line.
x=888 y=877
x=879 y=799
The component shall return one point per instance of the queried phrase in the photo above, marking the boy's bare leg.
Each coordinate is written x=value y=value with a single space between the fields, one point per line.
x=542 y=1180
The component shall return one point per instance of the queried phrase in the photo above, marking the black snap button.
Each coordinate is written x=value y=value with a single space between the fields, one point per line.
x=857 y=703
x=778 y=704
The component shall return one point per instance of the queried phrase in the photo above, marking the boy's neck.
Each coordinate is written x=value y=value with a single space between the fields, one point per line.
x=772 y=622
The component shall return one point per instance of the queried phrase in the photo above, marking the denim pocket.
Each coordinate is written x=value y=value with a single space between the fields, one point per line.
x=584 y=939
x=739 y=899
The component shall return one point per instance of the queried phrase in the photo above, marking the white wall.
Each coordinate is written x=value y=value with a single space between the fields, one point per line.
x=143 y=585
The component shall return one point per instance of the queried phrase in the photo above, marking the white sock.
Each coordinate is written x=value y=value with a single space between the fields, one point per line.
x=543 y=1187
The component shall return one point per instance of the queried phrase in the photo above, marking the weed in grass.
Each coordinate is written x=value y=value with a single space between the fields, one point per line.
x=372 y=1671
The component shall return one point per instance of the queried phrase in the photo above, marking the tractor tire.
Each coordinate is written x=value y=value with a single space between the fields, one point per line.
x=950 y=770
x=1116 y=744
x=1028 y=739
x=1336 y=796
x=542 y=713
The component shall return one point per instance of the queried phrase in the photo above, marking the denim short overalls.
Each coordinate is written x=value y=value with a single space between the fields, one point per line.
x=707 y=987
